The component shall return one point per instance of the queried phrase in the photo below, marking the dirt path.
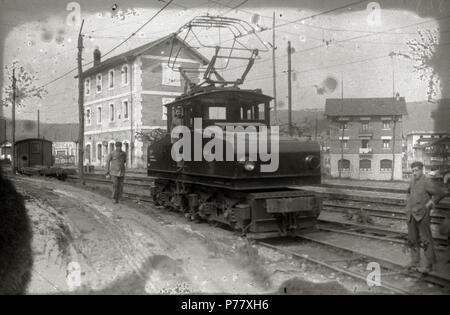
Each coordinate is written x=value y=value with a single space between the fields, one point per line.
x=138 y=249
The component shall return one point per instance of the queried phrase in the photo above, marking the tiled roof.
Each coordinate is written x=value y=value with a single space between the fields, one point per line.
x=133 y=53
x=365 y=106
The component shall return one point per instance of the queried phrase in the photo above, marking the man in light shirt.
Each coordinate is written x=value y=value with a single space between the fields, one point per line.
x=115 y=168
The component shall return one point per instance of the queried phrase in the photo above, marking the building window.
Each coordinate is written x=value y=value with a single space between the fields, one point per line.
x=344 y=165
x=170 y=77
x=111 y=79
x=385 y=165
x=386 y=124
x=365 y=165
x=365 y=144
x=344 y=125
x=111 y=112
x=125 y=110
x=87 y=155
x=99 y=115
x=88 y=117
x=87 y=86
x=124 y=73
x=99 y=83
x=365 y=126
x=166 y=100
x=386 y=144
x=127 y=149
x=344 y=144
x=99 y=151
x=111 y=147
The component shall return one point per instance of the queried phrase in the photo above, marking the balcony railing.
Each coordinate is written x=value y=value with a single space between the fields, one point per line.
x=365 y=150
x=365 y=132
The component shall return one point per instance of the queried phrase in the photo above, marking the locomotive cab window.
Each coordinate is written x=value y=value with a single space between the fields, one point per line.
x=233 y=112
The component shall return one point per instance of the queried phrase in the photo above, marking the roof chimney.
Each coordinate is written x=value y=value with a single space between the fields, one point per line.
x=97 y=56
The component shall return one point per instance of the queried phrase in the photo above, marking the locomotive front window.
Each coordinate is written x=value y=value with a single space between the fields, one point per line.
x=217 y=113
x=233 y=112
x=252 y=112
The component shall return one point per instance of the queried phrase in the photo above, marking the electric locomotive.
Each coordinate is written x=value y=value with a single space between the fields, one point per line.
x=231 y=166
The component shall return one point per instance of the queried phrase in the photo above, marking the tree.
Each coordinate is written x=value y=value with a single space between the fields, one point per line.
x=25 y=85
x=421 y=52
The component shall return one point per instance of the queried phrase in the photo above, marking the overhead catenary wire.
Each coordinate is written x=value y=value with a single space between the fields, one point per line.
x=309 y=25
x=348 y=39
x=111 y=50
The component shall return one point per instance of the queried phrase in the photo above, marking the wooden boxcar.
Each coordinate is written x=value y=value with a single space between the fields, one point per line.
x=33 y=152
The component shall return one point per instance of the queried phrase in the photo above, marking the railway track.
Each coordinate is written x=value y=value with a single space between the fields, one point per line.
x=376 y=209
x=338 y=265
x=395 y=214
x=397 y=267
x=341 y=263
x=353 y=263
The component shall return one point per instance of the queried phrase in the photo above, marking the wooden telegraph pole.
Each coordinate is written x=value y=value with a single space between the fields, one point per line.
x=38 y=123
x=343 y=129
x=274 y=74
x=13 y=129
x=289 y=89
x=80 y=106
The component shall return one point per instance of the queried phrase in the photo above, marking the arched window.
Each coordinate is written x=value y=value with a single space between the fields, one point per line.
x=87 y=153
x=385 y=165
x=344 y=165
x=365 y=165
x=111 y=147
x=127 y=151
x=99 y=151
x=111 y=112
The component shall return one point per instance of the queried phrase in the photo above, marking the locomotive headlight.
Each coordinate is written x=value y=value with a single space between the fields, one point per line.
x=312 y=162
x=249 y=166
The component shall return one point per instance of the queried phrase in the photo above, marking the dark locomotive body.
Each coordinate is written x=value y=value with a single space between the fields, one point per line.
x=236 y=193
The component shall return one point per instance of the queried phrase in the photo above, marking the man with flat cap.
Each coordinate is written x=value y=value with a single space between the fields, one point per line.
x=115 y=167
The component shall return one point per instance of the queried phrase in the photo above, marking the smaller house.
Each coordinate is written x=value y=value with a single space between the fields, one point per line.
x=435 y=155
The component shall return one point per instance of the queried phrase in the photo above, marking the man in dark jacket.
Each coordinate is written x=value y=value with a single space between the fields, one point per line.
x=115 y=167
x=423 y=195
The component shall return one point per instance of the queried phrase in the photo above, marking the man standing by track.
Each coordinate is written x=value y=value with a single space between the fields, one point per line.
x=115 y=167
x=423 y=195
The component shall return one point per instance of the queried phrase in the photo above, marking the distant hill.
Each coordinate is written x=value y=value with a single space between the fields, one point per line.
x=306 y=119
x=53 y=132
x=427 y=117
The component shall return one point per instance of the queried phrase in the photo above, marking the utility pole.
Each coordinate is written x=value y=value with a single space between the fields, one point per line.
x=38 y=134
x=316 y=127
x=289 y=90
x=393 y=146
x=13 y=143
x=80 y=106
x=343 y=125
x=274 y=75
x=392 y=54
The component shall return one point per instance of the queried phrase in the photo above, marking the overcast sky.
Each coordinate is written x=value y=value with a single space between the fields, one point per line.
x=345 y=43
